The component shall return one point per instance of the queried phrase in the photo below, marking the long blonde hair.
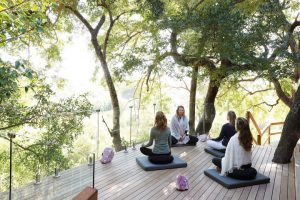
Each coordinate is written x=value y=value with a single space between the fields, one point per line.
x=160 y=120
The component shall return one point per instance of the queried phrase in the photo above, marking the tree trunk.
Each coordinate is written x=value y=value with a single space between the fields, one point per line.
x=115 y=133
x=192 y=106
x=290 y=133
x=205 y=122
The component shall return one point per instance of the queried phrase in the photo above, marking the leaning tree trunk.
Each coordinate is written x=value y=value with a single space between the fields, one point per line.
x=115 y=133
x=192 y=106
x=290 y=133
x=208 y=116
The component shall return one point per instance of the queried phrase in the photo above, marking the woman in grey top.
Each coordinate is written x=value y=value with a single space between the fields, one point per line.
x=161 y=134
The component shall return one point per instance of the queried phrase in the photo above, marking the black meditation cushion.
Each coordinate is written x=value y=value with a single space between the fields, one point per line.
x=231 y=183
x=215 y=152
x=144 y=163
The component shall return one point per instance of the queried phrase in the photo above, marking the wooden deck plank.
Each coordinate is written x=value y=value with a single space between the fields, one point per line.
x=291 y=180
x=270 y=186
x=75 y=178
x=261 y=169
x=284 y=183
x=277 y=182
x=134 y=177
x=222 y=194
x=257 y=152
x=224 y=191
x=214 y=194
x=256 y=164
x=168 y=190
x=194 y=181
x=262 y=188
x=124 y=179
x=155 y=180
x=163 y=188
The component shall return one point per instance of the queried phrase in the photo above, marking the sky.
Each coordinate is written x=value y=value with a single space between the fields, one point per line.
x=77 y=67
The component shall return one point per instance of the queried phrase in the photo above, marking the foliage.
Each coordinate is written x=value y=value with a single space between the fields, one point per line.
x=46 y=128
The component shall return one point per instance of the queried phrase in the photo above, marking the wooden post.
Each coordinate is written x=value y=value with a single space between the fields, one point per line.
x=259 y=139
x=88 y=193
x=269 y=134
x=248 y=116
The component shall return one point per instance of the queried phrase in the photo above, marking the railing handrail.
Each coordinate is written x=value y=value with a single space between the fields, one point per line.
x=250 y=117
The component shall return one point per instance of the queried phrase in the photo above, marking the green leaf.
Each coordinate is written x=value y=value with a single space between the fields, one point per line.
x=17 y=64
x=29 y=74
x=39 y=29
x=23 y=30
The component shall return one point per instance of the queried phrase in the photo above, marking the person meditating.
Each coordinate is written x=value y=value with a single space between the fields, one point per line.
x=161 y=134
x=237 y=160
x=227 y=131
x=180 y=127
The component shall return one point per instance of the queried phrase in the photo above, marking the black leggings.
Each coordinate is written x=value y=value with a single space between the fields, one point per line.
x=193 y=140
x=157 y=158
x=245 y=173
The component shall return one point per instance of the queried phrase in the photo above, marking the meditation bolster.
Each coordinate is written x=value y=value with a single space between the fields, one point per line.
x=214 y=152
x=144 y=163
x=231 y=183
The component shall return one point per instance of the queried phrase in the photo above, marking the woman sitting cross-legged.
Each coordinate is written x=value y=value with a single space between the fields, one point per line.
x=237 y=160
x=227 y=131
x=180 y=127
x=161 y=134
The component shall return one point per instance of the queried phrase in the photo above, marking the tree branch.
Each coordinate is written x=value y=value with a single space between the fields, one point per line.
x=81 y=18
x=14 y=6
x=250 y=79
x=128 y=39
x=17 y=124
x=24 y=148
x=253 y=92
x=16 y=37
x=111 y=24
x=280 y=93
x=197 y=4
x=99 y=25
x=186 y=60
x=266 y=103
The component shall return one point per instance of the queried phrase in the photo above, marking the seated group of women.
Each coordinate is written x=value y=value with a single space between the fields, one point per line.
x=235 y=137
x=165 y=137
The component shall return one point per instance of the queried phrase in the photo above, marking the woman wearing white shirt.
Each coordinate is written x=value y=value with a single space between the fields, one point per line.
x=237 y=160
x=180 y=127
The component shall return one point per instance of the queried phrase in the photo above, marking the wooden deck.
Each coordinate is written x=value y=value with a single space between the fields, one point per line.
x=124 y=179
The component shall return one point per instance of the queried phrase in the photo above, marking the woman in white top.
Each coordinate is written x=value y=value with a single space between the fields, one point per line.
x=180 y=127
x=237 y=160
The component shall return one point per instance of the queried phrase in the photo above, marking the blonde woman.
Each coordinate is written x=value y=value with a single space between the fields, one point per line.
x=180 y=128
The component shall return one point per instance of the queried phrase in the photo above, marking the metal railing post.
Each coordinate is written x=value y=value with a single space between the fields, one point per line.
x=11 y=137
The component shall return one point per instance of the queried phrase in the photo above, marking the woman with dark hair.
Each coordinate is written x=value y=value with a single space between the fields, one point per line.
x=161 y=134
x=180 y=127
x=237 y=160
x=227 y=131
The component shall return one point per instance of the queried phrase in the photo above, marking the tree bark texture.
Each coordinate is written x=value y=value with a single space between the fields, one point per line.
x=290 y=133
x=192 y=106
x=209 y=113
x=115 y=133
